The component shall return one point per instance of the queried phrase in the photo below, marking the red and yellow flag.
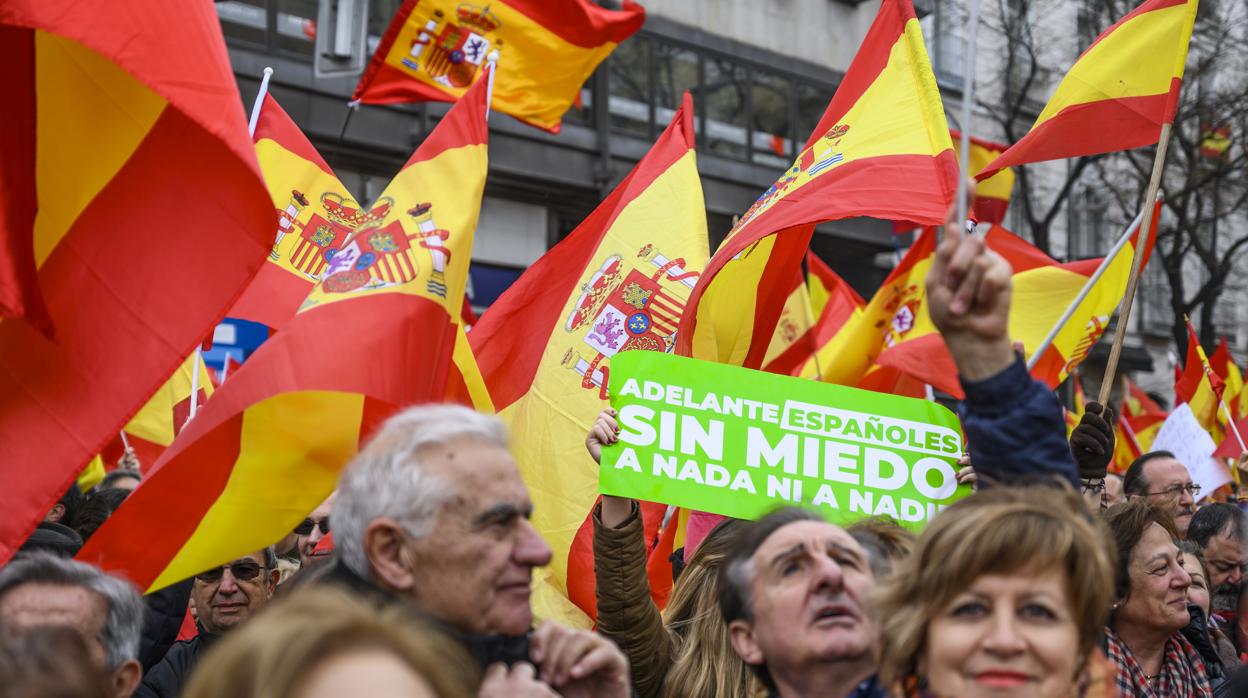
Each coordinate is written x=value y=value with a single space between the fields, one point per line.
x=896 y=332
x=434 y=49
x=882 y=149
x=992 y=195
x=1118 y=93
x=315 y=214
x=369 y=339
x=1224 y=367
x=1200 y=387
x=616 y=283
x=832 y=302
x=1142 y=417
x=131 y=196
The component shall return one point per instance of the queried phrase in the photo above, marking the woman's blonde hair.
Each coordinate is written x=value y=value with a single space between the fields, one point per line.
x=273 y=652
x=703 y=661
x=1000 y=530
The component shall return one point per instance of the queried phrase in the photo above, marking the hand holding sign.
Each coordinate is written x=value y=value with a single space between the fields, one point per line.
x=968 y=297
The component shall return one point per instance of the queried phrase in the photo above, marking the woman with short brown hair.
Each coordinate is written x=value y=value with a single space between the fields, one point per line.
x=1004 y=594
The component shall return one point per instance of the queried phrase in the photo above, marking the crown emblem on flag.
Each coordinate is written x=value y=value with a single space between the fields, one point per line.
x=347 y=212
x=477 y=17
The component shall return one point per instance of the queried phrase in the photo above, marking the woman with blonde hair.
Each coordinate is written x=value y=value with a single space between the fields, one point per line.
x=1005 y=594
x=685 y=651
x=320 y=642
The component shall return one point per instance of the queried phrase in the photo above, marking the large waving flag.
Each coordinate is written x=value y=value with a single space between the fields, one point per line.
x=369 y=339
x=616 y=283
x=434 y=49
x=316 y=213
x=882 y=149
x=1118 y=93
x=132 y=205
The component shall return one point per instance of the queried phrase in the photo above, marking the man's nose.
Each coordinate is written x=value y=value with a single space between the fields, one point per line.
x=315 y=536
x=829 y=573
x=1182 y=580
x=229 y=584
x=531 y=550
x=1185 y=498
x=1236 y=576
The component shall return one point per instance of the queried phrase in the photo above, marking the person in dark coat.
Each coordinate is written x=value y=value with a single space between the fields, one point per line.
x=224 y=598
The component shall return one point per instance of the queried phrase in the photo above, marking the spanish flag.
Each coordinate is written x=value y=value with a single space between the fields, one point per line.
x=616 y=283
x=896 y=331
x=376 y=333
x=832 y=302
x=1142 y=417
x=132 y=206
x=882 y=149
x=158 y=422
x=992 y=195
x=434 y=49
x=1200 y=387
x=315 y=212
x=1118 y=93
x=1224 y=367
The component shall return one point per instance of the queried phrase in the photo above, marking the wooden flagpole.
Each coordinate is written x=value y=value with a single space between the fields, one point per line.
x=1124 y=312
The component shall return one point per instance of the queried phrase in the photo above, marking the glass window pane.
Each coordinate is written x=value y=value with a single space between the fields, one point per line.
x=296 y=26
x=812 y=102
x=773 y=133
x=243 y=19
x=629 y=81
x=676 y=70
x=380 y=13
x=724 y=97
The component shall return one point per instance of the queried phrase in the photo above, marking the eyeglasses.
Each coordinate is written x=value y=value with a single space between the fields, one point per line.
x=1092 y=486
x=244 y=571
x=305 y=527
x=1177 y=491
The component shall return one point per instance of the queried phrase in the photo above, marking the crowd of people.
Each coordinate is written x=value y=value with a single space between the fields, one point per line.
x=1051 y=579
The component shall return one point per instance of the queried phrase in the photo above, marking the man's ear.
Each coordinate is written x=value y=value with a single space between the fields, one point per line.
x=56 y=514
x=742 y=634
x=388 y=560
x=126 y=678
x=274 y=576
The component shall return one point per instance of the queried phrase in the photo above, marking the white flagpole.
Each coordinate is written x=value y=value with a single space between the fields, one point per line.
x=195 y=364
x=1087 y=288
x=968 y=97
x=255 y=108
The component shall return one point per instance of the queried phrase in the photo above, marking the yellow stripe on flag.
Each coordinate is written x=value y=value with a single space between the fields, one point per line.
x=122 y=111
x=273 y=474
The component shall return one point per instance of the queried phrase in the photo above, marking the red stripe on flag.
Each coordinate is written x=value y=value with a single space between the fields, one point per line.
x=130 y=304
x=1102 y=126
x=276 y=125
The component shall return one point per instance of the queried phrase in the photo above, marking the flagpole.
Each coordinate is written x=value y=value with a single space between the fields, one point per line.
x=125 y=443
x=1083 y=293
x=255 y=107
x=968 y=93
x=1124 y=313
x=195 y=363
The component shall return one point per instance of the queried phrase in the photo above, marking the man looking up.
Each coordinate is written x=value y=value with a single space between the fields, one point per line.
x=1164 y=481
x=40 y=589
x=433 y=511
x=224 y=597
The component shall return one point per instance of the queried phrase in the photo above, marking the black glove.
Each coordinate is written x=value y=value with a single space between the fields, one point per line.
x=1092 y=442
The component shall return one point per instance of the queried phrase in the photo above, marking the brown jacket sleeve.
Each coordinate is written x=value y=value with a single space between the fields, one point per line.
x=626 y=613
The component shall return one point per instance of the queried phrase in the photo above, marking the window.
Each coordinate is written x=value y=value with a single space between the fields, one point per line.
x=812 y=102
x=245 y=20
x=628 y=81
x=1226 y=316
x=675 y=71
x=771 y=119
x=296 y=26
x=1154 y=296
x=1089 y=228
x=942 y=32
x=725 y=107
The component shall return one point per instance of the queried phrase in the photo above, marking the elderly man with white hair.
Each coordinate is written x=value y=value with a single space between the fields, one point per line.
x=433 y=510
x=40 y=589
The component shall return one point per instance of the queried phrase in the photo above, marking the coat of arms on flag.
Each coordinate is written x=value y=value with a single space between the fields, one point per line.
x=625 y=307
x=452 y=50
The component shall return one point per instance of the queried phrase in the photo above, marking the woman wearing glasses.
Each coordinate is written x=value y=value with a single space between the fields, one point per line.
x=1144 y=639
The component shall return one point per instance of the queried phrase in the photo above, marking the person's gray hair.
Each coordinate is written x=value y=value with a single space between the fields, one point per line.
x=123 y=625
x=387 y=478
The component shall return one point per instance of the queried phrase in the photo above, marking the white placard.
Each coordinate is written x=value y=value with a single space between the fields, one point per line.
x=1183 y=436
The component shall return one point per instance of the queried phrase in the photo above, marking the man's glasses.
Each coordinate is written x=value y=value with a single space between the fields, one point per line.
x=1175 y=491
x=244 y=571
x=305 y=527
x=1092 y=487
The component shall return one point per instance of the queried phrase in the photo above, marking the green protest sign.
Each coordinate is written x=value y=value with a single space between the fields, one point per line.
x=739 y=442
